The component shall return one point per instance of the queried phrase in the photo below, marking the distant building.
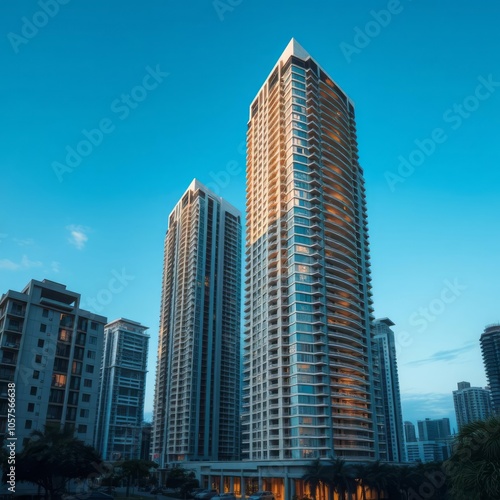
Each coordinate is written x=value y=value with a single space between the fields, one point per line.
x=434 y=429
x=391 y=398
x=427 y=451
x=123 y=386
x=434 y=441
x=471 y=404
x=146 y=441
x=51 y=349
x=410 y=433
x=490 y=348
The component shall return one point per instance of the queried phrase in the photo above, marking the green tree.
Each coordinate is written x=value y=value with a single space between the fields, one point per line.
x=181 y=479
x=314 y=476
x=52 y=458
x=136 y=469
x=474 y=467
x=341 y=477
x=374 y=476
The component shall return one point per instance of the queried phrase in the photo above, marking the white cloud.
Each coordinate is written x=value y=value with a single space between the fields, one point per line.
x=25 y=263
x=55 y=266
x=24 y=242
x=9 y=264
x=78 y=236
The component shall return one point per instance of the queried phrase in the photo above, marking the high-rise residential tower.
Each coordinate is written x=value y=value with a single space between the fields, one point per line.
x=389 y=383
x=434 y=429
x=490 y=348
x=196 y=412
x=122 y=389
x=410 y=433
x=308 y=378
x=51 y=349
x=471 y=404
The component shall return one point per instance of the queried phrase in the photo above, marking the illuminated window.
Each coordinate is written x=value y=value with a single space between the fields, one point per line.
x=58 y=380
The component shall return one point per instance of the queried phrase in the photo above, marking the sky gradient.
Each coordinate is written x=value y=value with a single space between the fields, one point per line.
x=110 y=109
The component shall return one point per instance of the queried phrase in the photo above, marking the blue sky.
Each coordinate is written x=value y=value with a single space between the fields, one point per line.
x=154 y=93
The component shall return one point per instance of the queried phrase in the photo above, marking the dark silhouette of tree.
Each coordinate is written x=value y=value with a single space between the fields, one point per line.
x=181 y=479
x=136 y=469
x=374 y=476
x=314 y=477
x=52 y=458
x=342 y=478
x=474 y=467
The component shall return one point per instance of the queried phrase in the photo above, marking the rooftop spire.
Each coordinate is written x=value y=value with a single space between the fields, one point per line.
x=295 y=49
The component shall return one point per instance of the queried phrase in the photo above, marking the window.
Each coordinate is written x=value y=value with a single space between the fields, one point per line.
x=64 y=335
x=87 y=382
x=58 y=380
x=85 y=398
x=82 y=429
x=93 y=340
x=89 y=369
x=28 y=424
x=71 y=414
x=81 y=338
x=75 y=383
x=93 y=325
x=36 y=374
x=82 y=324
x=41 y=342
x=91 y=354
x=84 y=413
x=31 y=407
x=78 y=353
x=73 y=398
x=54 y=412
x=38 y=358
x=43 y=328
x=56 y=396
x=33 y=391
x=45 y=313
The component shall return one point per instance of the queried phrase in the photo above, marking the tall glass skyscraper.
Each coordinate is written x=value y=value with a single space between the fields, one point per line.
x=308 y=371
x=196 y=412
x=392 y=412
x=490 y=349
x=471 y=404
x=122 y=390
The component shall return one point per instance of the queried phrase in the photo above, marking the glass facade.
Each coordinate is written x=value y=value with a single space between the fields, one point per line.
x=196 y=414
x=122 y=390
x=308 y=381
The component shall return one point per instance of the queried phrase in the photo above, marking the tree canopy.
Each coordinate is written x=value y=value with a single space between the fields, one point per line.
x=474 y=467
x=52 y=458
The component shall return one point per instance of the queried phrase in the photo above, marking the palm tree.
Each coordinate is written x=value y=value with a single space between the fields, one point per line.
x=374 y=476
x=314 y=477
x=341 y=477
x=403 y=481
x=136 y=468
x=53 y=457
x=474 y=467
